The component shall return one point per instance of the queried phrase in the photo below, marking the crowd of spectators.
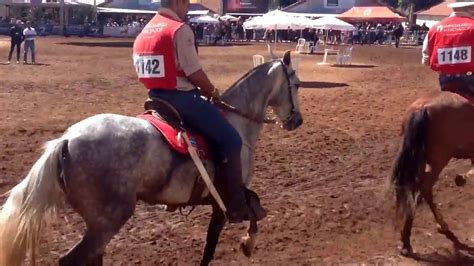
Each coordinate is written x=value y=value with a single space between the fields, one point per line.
x=233 y=31
x=364 y=33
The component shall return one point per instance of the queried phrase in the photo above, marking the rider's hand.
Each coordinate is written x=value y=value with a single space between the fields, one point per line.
x=214 y=95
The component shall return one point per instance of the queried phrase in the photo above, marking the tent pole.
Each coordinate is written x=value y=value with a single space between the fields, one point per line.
x=276 y=33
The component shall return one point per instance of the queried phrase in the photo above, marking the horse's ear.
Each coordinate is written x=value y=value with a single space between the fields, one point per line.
x=287 y=58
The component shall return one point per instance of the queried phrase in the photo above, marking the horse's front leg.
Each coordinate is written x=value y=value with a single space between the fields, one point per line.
x=247 y=243
x=257 y=213
x=216 y=225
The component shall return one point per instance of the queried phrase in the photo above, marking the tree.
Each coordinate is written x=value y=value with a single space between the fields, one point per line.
x=284 y=3
x=404 y=4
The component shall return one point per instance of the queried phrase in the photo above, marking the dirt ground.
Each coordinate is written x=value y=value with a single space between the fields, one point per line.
x=323 y=184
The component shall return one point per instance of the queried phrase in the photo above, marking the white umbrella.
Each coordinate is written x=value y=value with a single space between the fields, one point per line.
x=204 y=19
x=331 y=23
x=277 y=20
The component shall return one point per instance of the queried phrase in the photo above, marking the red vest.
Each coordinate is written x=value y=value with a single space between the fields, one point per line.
x=451 y=44
x=154 y=54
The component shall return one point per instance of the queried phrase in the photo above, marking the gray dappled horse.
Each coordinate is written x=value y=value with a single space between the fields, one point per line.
x=105 y=163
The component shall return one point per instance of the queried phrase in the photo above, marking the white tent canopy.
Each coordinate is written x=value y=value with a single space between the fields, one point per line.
x=204 y=19
x=276 y=19
x=123 y=10
x=331 y=23
x=229 y=17
x=198 y=12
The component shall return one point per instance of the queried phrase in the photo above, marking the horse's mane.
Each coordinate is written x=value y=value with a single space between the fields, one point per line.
x=249 y=73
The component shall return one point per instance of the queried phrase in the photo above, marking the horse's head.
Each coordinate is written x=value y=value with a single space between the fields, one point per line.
x=284 y=98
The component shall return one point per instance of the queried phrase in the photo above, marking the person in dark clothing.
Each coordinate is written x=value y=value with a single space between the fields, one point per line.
x=398 y=33
x=16 y=34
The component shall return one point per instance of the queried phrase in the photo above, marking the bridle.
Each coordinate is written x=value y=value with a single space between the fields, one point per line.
x=264 y=120
x=293 y=107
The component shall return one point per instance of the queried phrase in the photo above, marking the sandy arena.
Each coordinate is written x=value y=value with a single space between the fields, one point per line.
x=323 y=184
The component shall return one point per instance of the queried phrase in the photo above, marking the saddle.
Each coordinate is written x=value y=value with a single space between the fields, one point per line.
x=166 y=119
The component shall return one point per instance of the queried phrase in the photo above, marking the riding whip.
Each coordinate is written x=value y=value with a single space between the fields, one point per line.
x=202 y=170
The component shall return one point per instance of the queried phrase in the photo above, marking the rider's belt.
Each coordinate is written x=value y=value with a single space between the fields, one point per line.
x=457 y=75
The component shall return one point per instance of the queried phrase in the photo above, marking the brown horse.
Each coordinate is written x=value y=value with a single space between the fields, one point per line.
x=436 y=129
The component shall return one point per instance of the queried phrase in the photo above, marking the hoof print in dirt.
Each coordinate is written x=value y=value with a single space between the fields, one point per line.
x=460 y=180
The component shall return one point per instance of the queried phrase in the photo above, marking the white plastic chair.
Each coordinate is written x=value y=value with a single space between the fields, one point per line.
x=306 y=48
x=258 y=60
x=300 y=45
x=344 y=56
x=316 y=47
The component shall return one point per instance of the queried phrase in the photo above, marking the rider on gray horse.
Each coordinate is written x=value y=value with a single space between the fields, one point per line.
x=167 y=64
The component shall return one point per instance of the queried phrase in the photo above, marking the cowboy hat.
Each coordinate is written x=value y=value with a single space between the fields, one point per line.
x=461 y=3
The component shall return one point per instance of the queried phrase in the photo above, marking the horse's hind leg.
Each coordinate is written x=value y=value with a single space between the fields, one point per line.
x=407 y=249
x=103 y=217
x=89 y=250
x=99 y=232
x=443 y=226
x=428 y=180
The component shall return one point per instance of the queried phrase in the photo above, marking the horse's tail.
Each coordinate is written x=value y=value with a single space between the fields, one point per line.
x=29 y=203
x=410 y=161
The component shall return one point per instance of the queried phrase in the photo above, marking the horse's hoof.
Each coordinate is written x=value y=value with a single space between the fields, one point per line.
x=246 y=246
x=406 y=252
x=460 y=180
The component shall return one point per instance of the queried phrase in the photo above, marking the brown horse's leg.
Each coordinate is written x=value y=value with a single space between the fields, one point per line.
x=428 y=180
x=97 y=261
x=407 y=249
x=443 y=226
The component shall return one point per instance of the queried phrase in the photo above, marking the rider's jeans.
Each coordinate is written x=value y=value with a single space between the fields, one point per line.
x=466 y=80
x=204 y=117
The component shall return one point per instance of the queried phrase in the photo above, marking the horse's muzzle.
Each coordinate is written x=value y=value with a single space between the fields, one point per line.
x=294 y=122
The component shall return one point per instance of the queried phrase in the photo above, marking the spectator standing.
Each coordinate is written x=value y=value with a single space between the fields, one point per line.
x=30 y=35
x=16 y=35
x=398 y=33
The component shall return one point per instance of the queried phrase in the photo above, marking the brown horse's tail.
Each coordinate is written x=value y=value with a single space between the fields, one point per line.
x=410 y=161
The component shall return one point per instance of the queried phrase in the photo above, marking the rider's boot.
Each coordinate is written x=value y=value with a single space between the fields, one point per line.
x=230 y=172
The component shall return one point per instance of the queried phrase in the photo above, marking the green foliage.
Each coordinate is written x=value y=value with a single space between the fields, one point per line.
x=284 y=3
x=419 y=4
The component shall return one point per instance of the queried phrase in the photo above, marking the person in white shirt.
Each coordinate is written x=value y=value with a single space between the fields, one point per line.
x=30 y=35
